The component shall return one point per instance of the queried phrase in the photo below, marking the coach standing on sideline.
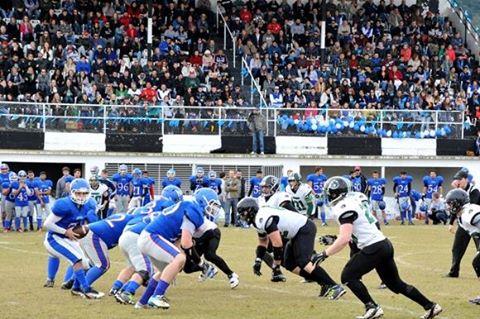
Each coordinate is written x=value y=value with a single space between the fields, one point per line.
x=462 y=237
x=60 y=190
x=256 y=124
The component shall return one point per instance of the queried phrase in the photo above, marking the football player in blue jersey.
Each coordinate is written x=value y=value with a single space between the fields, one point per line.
x=402 y=186
x=255 y=189
x=150 y=188
x=171 y=179
x=198 y=180
x=138 y=189
x=135 y=258
x=214 y=182
x=177 y=222
x=99 y=238
x=71 y=213
x=4 y=178
x=284 y=181
x=359 y=182
x=316 y=182
x=43 y=188
x=9 y=201
x=376 y=191
x=122 y=183
x=21 y=191
x=432 y=183
x=31 y=182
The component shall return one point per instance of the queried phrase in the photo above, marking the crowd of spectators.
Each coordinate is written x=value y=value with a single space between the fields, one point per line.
x=383 y=56
x=96 y=52
x=88 y=52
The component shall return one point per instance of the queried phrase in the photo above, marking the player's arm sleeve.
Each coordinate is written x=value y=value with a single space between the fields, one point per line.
x=409 y=188
x=250 y=191
x=271 y=224
x=348 y=217
x=364 y=184
x=287 y=204
x=475 y=197
x=51 y=224
x=310 y=200
x=383 y=190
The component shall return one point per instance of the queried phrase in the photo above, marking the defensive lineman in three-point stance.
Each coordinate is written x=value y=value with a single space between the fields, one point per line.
x=375 y=251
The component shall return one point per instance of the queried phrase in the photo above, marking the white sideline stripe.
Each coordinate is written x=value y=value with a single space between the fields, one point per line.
x=401 y=310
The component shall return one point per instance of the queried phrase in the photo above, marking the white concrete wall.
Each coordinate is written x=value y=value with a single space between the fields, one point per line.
x=191 y=143
x=304 y=145
x=57 y=141
x=409 y=146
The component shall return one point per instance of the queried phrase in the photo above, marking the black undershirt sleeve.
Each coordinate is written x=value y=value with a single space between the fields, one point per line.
x=348 y=217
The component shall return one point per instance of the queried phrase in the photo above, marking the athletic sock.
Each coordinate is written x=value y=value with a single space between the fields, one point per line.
x=30 y=220
x=268 y=259
x=93 y=274
x=132 y=287
x=39 y=223
x=17 y=223
x=8 y=224
x=409 y=214
x=25 y=223
x=402 y=216
x=360 y=291
x=152 y=284
x=52 y=267
x=68 y=274
x=323 y=216
x=319 y=275
x=414 y=294
x=80 y=277
x=117 y=285
x=161 y=288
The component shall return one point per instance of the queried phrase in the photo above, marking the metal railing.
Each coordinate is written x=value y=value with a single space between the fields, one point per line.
x=229 y=120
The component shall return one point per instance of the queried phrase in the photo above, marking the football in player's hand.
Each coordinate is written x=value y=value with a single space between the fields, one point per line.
x=80 y=230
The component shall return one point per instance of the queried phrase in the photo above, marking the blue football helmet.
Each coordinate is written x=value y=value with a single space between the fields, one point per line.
x=22 y=175
x=123 y=169
x=12 y=177
x=173 y=193
x=94 y=170
x=212 y=175
x=382 y=205
x=424 y=207
x=199 y=172
x=4 y=167
x=207 y=198
x=137 y=172
x=79 y=191
x=171 y=173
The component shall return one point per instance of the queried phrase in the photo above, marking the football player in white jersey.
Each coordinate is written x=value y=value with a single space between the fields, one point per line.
x=271 y=196
x=458 y=203
x=99 y=192
x=207 y=239
x=357 y=224
x=302 y=195
x=274 y=223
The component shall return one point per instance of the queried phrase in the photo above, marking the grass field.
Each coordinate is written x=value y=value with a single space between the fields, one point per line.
x=422 y=254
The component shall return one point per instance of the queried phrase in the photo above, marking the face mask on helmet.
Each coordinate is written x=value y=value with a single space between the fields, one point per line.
x=171 y=173
x=137 y=173
x=123 y=169
x=13 y=177
x=212 y=175
x=199 y=172
x=22 y=175
x=94 y=170
x=79 y=191
x=212 y=210
x=94 y=183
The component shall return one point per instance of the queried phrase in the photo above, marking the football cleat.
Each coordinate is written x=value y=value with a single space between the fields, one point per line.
x=113 y=291
x=432 y=312
x=67 y=285
x=93 y=294
x=209 y=271
x=49 y=283
x=372 y=313
x=336 y=292
x=475 y=300
x=138 y=305
x=125 y=298
x=324 y=290
x=158 y=302
x=77 y=292
x=233 y=280
x=277 y=275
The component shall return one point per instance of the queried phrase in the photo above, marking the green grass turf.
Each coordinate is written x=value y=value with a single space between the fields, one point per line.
x=422 y=254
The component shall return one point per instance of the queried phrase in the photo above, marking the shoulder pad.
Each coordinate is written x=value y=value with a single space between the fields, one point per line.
x=193 y=213
x=61 y=206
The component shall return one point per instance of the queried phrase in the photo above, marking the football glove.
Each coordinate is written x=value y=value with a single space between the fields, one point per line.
x=317 y=259
x=257 y=266
x=277 y=275
x=327 y=239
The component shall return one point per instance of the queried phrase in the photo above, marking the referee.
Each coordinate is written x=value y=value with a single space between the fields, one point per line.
x=462 y=238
